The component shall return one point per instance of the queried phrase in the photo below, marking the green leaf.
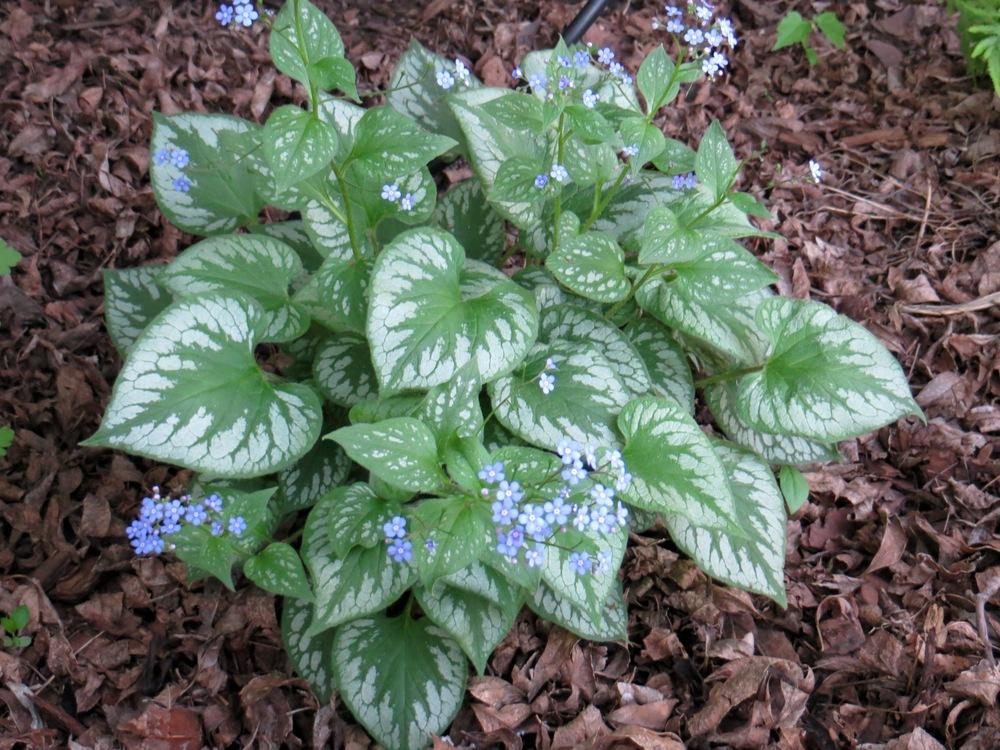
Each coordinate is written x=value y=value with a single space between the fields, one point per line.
x=647 y=137
x=402 y=679
x=794 y=487
x=302 y=35
x=356 y=515
x=388 y=145
x=452 y=409
x=589 y=164
x=755 y=559
x=402 y=451
x=336 y=296
x=293 y=234
x=515 y=181
x=775 y=448
x=654 y=75
x=297 y=145
x=715 y=164
x=468 y=216
x=826 y=378
x=487 y=583
x=6 y=438
x=335 y=73
x=311 y=656
x=831 y=28
x=665 y=240
x=592 y=265
x=343 y=371
x=793 y=29
x=326 y=230
x=224 y=193
x=216 y=555
x=588 y=125
x=191 y=393
x=518 y=110
x=413 y=90
x=432 y=312
x=365 y=190
x=9 y=257
x=279 y=570
x=132 y=298
x=666 y=363
x=312 y=476
x=677 y=158
x=259 y=267
x=18 y=619
x=569 y=323
x=477 y=624
x=674 y=469
x=491 y=143
x=359 y=582
x=459 y=529
x=587 y=397
x=749 y=205
x=609 y=623
x=588 y=593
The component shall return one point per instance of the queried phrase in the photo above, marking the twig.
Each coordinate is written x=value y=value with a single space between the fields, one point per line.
x=974 y=305
x=984 y=632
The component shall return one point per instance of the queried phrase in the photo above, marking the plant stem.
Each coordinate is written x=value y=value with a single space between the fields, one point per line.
x=605 y=200
x=722 y=377
x=650 y=272
x=348 y=213
x=558 y=206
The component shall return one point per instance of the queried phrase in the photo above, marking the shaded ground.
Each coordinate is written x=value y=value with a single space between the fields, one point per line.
x=886 y=563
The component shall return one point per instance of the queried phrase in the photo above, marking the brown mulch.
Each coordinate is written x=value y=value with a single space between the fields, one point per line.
x=893 y=565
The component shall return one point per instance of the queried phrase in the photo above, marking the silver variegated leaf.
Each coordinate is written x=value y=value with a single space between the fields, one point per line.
x=343 y=371
x=293 y=234
x=191 y=393
x=674 y=469
x=666 y=363
x=401 y=450
x=754 y=561
x=575 y=324
x=311 y=656
x=587 y=397
x=826 y=377
x=302 y=485
x=328 y=233
x=402 y=679
x=592 y=265
x=465 y=212
x=483 y=581
x=297 y=145
x=278 y=569
x=222 y=193
x=260 y=267
x=477 y=624
x=132 y=298
x=608 y=623
x=302 y=35
x=432 y=312
x=336 y=296
x=362 y=581
x=774 y=447
x=588 y=591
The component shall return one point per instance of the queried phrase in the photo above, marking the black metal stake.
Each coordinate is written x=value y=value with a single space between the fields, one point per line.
x=579 y=25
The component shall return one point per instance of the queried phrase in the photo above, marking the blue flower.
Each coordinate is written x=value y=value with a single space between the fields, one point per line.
x=590 y=99
x=714 y=38
x=547 y=383
x=602 y=495
x=626 y=79
x=538 y=82
x=630 y=150
x=550 y=364
x=533 y=520
x=138 y=529
x=224 y=15
x=180 y=158
x=621 y=514
x=605 y=55
x=430 y=545
x=509 y=491
x=214 y=502
x=704 y=11
x=503 y=512
x=673 y=11
x=556 y=511
x=675 y=27
x=684 y=181
x=163 y=155
x=816 y=170
x=390 y=192
x=216 y=528
x=568 y=450
x=616 y=69
x=150 y=510
x=407 y=202
x=170 y=527
x=581 y=563
x=516 y=74
x=461 y=71
x=564 y=61
x=401 y=550
x=581 y=58
x=574 y=473
x=564 y=83
x=541 y=181
x=445 y=79
x=559 y=173
x=181 y=184
x=196 y=515
x=714 y=64
x=694 y=37
x=535 y=556
x=237 y=525
x=172 y=510
x=492 y=473
x=395 y=528
x=726 y=27
x=245 y=14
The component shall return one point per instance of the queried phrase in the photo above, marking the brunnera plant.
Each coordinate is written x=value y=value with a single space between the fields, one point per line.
x=468 y=442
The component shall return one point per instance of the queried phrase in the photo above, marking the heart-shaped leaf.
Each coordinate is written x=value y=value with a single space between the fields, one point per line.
x=297 y=145
x=432 y=312
x=465 y=212
x=666 y=363
x=260 y=267
x=132 y=298
x=343 y=371
x=402 y=679
x=311 y=656
x=402 y=451
x=278 y=569
x=336 y=296
x=191 y=393
x=592 y=265
x=607 y=623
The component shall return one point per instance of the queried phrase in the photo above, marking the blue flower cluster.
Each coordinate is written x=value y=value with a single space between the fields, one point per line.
x=160 y=517
x=685 y=181
x=703 y=34
x=400 y=548
x=525 y=527
x=178 y=158
x=392 y=193
x=546 y=381
x=239 y=13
